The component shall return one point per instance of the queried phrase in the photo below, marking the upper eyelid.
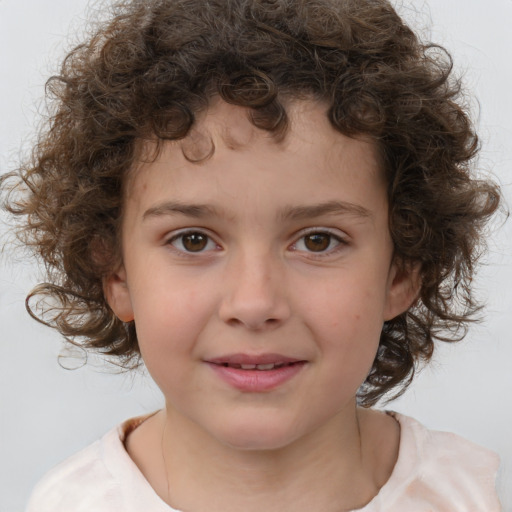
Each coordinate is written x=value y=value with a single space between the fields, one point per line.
x=297 y=234
x=339 y=233
x=176 y=233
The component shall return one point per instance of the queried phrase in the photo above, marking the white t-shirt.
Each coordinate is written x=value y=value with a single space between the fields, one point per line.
x=435 y=472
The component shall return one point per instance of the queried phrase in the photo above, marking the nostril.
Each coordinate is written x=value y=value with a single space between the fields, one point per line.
x=255 y=325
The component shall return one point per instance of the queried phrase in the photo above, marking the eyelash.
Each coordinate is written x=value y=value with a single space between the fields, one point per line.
x=182 y=234
x=340 y=242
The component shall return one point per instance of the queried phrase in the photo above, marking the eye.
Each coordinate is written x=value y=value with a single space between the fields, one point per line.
x=192 y=241
x=318 y=242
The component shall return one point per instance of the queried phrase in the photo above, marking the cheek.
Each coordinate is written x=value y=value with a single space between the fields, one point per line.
x=348 y=343
x=169 y=319
x=348 y=298
x=346 y=318
x=167 y=328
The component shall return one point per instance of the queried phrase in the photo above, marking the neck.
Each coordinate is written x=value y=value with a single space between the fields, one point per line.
x=330 y=469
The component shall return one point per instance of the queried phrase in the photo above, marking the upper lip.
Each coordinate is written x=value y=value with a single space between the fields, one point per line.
x=253 y=359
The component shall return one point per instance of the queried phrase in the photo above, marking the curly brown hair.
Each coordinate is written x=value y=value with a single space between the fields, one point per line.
x=149 y=71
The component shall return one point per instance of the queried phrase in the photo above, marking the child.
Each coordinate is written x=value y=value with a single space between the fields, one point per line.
x=271 y=204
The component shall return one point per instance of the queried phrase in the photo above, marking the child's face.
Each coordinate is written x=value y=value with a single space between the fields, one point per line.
x=264 y=253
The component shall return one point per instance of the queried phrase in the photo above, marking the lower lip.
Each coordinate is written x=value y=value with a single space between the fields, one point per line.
x=257 y=381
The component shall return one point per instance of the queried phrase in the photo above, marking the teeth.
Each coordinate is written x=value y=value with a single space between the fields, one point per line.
x=269 y=366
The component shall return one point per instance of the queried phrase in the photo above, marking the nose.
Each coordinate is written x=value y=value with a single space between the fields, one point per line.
x=254 y=293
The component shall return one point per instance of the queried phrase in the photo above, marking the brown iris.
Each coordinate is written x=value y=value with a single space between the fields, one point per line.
x=317 y=242
x=194 y=242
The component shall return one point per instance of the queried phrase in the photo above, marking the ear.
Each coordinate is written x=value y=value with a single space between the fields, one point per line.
x=117 y=294
x=404 y=284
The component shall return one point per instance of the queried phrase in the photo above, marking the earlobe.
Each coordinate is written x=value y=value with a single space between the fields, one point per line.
x=117 y=295
x=403 y=289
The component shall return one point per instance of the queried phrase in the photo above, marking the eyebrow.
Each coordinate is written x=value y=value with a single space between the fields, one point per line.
x=197 y=211
x=328 y=208
x=201 y=211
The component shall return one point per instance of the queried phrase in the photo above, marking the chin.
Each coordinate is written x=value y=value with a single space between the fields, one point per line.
x=255 y=436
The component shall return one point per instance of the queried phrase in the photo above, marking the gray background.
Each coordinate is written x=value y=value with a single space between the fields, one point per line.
x=47 y=413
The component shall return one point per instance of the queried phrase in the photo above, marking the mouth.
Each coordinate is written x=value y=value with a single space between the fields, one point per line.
x=256 y=374
x=261 y=362
x=259 y=367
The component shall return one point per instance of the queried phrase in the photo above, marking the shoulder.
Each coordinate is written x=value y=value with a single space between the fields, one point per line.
x=68 y=485
x=441 y=471
x=101 y=477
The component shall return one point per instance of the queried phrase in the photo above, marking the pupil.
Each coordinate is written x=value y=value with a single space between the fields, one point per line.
x=317 y=242
x=194 y=242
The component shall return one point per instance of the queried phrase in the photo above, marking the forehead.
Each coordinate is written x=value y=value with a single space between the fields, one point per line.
x=225 y=146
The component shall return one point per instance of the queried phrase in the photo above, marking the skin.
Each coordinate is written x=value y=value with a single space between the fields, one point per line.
x=274 y=273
